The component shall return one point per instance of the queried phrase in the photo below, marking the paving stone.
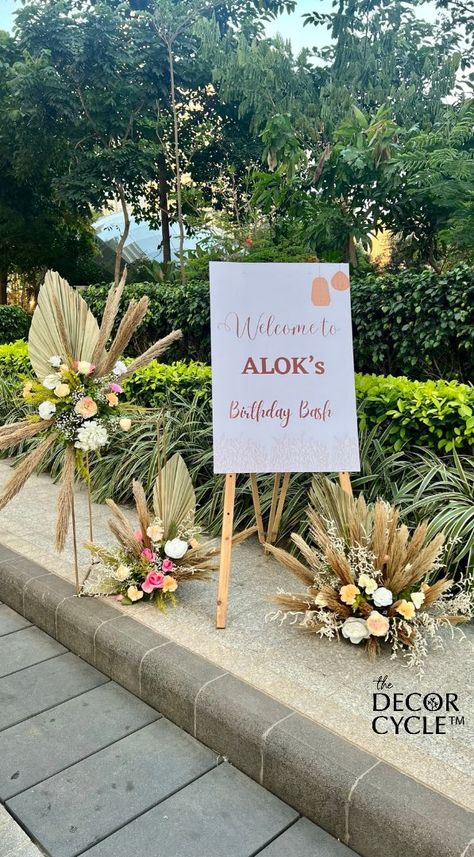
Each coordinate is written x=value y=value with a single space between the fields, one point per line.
x=313 y=769
x=13 y=840
x=57 y=738
x=25 y=648
x=233 y=718
x=221 y=813
x=171 y=678
x=84 y=804
x=42 y=686
x=305 y=839
x=121 y=645
x=431 y=824
x=11 y=621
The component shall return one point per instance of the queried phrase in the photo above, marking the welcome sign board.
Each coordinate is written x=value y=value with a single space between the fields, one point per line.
x=282 y=368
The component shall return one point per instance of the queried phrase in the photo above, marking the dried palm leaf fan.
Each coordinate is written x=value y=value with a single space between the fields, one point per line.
x=74 y=398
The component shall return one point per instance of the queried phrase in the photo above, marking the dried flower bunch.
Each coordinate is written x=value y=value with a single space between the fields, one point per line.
x=74 y=399
x=367 y=578
x=161 y=552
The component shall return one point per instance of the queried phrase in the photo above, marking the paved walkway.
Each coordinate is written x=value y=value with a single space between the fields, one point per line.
x=87 y=768
x=330 y=682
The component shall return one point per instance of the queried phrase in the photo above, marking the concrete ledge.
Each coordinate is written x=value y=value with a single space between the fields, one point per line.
x=369 y=805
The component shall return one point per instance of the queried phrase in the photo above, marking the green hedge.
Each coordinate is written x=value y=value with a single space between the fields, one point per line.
x=437 y=415
x=171 y=307
x=14 y=323
x=416 y=324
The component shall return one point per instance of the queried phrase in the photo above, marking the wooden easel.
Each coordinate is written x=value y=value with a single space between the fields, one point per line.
x=280 y=488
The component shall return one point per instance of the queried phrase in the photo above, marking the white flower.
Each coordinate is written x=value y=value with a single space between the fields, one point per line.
x=84 y=367
x=382 y=597
x=125 y=423
x=417 y=598
x=51 y=381
x=119 y=368
x=55 y=361
x=46 y=409
x=355 y=630
x=121 y=573
x=91 y=436
x=175 y=548
x=155 y=532
x=368 y=583
x=320 y=600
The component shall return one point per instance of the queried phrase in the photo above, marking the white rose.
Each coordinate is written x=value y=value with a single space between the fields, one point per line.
x=176 y=548
x=55 y=361
x=125 y=424
x=320 y=600
x=119 y=368
x=46 y=410
x=417 y=598
x=51 y=381
x=355 y=630
x=368 y=583
x=382 y=597
x=121 y=573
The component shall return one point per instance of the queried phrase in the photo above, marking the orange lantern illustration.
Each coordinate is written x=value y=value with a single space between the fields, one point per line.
x=340 y=282
x=320 y=295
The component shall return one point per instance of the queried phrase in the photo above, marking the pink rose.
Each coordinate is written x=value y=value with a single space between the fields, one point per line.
x=167 y=565
x=154 y=580
x=378 y=624
x=118 y=597
x=148 y=554
x=138 y=535
x=116 y=388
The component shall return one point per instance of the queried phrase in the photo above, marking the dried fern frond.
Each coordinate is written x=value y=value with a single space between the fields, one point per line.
x=143 y=514
x=22 y=431
x=24 y=470
x=65 y=498
x=132 y=319
x=109 y=315
x=152 y=353
x=289 y=561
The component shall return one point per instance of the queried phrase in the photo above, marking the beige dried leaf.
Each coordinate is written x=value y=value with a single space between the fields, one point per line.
x=173 y=496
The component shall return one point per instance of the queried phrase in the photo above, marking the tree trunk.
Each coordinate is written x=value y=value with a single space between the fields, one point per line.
x=177 y=162
x=350 y=254
x=164 y=213
x=124 y=235
x=3 y=282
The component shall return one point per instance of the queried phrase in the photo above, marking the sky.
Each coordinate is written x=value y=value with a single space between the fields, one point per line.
x=289 y=26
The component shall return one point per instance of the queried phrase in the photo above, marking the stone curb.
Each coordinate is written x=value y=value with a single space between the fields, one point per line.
x=367 y=804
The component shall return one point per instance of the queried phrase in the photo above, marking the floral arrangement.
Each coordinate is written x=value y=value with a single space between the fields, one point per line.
x=367 y=579
x=158 y=553
x=74 y=399
x=81 y=405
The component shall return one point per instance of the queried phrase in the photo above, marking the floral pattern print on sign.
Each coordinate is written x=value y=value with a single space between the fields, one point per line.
x=368 y=580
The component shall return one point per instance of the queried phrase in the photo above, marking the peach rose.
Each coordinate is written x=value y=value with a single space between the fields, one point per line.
x=86 y=407
x=134 y=593
x=27 y=390
x=349 y=593
x=112 y=399
x=406 y=609
x=169 y=584
x=377 y=624
x=62 y=390
x=125 y=424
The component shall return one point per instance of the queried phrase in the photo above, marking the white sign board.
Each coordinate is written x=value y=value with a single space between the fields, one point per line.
x=282 y=368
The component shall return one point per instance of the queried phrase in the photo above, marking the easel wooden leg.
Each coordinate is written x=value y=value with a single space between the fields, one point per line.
x=345 y=482
x=273 y=507
x=226 y=550
x=279 y=509
x=257 y=508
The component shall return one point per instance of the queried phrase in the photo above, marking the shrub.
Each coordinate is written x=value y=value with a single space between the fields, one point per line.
x=172 y=306
x=14 y=323
x=14 y=360
x=159 y=383
x=415 y=324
